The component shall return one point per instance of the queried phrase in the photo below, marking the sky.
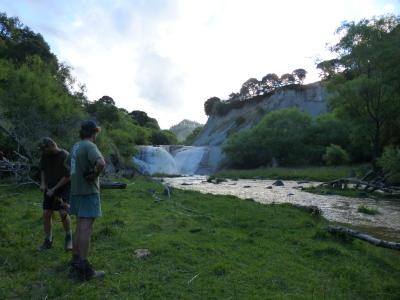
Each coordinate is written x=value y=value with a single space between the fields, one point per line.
x=167 y=57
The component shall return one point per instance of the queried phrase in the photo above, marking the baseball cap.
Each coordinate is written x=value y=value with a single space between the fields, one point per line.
x=90 y=126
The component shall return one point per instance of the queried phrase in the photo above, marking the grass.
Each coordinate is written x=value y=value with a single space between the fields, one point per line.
x=347 y=192
x=202 y=247
x=301 y=173
x=367 y=210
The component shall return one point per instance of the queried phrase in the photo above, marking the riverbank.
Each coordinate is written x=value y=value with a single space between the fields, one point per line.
x=301 y=173
x=202 y=247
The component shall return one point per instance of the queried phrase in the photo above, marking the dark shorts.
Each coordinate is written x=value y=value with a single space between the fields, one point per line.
x=54 y=202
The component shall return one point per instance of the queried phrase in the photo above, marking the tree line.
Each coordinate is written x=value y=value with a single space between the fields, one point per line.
x=39 y=97
x=252 y=89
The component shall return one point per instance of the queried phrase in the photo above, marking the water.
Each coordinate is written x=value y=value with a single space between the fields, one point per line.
x=385 y=225
x=180 y=160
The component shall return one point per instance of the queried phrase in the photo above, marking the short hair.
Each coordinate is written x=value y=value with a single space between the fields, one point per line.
x=46 y=142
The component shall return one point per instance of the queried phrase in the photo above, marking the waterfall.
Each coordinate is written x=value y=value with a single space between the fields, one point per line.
x=177 y=160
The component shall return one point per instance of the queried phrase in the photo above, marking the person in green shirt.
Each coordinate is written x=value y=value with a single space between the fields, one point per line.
x=86 y=163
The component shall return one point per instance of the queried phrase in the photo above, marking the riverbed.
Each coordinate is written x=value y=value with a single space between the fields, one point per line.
x=385 y=224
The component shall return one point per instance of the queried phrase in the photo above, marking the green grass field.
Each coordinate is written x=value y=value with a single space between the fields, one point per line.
x=299 y=173
x=202 y=247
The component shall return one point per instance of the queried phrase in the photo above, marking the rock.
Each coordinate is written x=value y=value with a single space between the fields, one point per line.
x=269 y=187
x=290 y=194
x=278 y=183
x=186 y=183
x=246 y=186
x=141 y=253
x=302 y=181
x=300 y=187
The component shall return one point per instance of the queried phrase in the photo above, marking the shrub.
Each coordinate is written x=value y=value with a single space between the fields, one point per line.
x=335 y=155
x=390 y=163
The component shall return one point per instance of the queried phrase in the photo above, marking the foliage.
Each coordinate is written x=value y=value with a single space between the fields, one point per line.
x=252 y=89
x=210 y=104
x=163 y=137
x=192 y=137
x=202 y=247
x=367 y=210
x=335 y=155
x=365 y=79
x=390 y=163
x=280 y=135
x=144 y=120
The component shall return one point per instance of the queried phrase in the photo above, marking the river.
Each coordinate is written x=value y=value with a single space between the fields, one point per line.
x=385 y=224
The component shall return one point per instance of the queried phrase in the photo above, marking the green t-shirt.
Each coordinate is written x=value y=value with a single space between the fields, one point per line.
x=83 y=157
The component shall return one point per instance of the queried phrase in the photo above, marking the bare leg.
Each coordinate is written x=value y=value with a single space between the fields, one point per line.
x=47 y=215
x=85 y=226
x=75 y=244
x=66 y=220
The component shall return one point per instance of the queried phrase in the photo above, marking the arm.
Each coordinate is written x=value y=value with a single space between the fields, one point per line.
x=98 y=168
x=63 y=181
x=43 y=185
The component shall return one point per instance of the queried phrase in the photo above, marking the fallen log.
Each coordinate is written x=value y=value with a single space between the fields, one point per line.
x=365 y=237
x=112 y=185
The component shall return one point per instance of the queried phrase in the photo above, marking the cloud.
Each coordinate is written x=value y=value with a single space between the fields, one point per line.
x=159 y=80
x=167 y=57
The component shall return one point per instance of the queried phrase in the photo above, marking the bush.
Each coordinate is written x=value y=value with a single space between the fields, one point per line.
x=390 y=163
x=335 y=155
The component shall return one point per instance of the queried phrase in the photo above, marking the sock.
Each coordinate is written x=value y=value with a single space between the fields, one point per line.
x=68 y=234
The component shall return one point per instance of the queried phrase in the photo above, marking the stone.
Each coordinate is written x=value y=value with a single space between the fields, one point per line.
x=278 y=183
x=141 y=253
x=269 y=187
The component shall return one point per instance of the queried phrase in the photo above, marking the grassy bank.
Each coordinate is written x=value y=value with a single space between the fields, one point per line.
x=349 y=193
x=203 y=247
x=301 y=173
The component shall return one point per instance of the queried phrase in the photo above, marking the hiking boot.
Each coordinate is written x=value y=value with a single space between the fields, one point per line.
x=74 y=267
x=86 y=271
x=46 y=245
x=68 y=243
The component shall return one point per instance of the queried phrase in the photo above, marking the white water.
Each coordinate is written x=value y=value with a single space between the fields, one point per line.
x=179 y=160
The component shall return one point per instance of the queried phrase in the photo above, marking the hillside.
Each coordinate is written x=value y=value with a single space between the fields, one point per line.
x=184 y=128
x=310 y=98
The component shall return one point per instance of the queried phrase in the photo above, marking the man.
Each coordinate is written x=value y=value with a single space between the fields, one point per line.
x=86 y=164
x=54 y=183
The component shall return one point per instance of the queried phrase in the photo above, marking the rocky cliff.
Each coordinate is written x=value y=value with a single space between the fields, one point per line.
x=184 y=128
x=309 y=98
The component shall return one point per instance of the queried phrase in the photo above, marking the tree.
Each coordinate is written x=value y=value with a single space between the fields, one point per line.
x=209 y=105
x=366 y=89
x=107 y=100
x=287 y=79
x=270 y=82
x=299 y=75
x=250 y=88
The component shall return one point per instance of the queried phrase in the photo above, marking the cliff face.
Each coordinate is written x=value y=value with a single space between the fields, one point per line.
x=310 y=98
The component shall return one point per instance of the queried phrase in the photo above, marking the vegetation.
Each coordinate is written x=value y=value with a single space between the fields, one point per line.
x=253 y=89
x=364 y=79
x=38 y=98
x=364 y=83
x=288 y=136
x=390 y=163
x=192 y=137
x=335 y=155
x=367 y=210
x=202 y=247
